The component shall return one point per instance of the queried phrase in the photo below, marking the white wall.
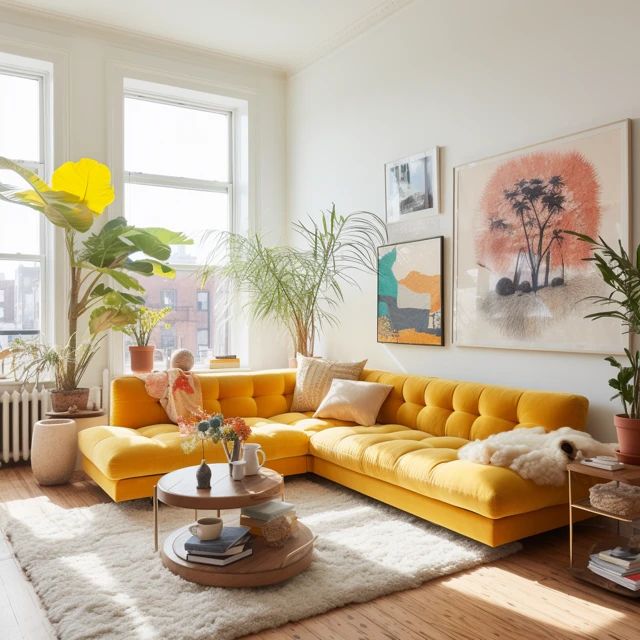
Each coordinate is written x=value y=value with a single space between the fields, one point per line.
x=476 y=78
x=84 y=62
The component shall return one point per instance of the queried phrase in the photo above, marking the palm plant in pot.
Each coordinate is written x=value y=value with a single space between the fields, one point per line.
x=103 y=268
x=300 y=287
x=146 y=320
x=622 y=275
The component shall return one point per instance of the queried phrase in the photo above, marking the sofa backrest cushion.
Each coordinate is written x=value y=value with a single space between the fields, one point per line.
x=262 y=394
x=472 y=410
x=437 y=406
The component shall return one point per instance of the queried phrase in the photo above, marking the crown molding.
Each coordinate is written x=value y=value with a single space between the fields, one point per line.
x=349 y=33
x=55 y=21
x=51 y=20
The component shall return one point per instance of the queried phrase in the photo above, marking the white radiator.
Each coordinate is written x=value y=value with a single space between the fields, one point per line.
x=19 y=411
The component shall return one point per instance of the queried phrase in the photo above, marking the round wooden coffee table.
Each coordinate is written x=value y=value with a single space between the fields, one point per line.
x=267 y=565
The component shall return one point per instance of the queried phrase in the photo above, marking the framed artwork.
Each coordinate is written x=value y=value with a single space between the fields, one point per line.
x=411 y=186
x=411 y=292
x=520 y=279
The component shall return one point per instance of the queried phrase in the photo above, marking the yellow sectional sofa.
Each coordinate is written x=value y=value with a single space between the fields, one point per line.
x=407 y=459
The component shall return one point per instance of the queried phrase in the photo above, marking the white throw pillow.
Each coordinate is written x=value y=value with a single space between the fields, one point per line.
x=313 y=379
x=354 y=401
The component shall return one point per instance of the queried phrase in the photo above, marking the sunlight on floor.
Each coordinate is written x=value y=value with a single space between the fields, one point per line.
x=47 y=528
x=89 y=566
x=533 y=600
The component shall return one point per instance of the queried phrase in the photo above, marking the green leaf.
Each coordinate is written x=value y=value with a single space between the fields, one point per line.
x=167 y=236
x=59 y=207
x=150 y=268
x=105 y=318
x=147 y=243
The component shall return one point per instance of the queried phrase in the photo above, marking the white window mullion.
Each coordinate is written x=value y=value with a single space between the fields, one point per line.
x=155 y=180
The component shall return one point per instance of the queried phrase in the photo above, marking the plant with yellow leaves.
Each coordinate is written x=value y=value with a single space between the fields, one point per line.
x=102 y=267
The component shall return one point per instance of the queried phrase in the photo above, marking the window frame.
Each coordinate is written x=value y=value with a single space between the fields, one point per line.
x=43 y=168
x=179 y=182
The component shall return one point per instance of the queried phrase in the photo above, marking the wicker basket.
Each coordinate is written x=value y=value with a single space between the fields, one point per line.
x=617 y=498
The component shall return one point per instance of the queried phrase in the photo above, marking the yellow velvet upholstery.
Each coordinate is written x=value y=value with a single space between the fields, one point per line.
x=408 y=459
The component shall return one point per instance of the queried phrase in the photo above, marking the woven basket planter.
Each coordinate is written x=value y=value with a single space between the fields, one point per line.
x=619 y=499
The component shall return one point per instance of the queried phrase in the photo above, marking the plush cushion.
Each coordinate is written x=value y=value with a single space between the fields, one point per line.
x=314 y=377
x=352 y=400
x=428 y=465
x=121 y=452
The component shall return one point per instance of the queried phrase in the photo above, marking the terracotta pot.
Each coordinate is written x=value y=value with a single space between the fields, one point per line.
x=142 y=359
x=62 y=400
x=628 y=430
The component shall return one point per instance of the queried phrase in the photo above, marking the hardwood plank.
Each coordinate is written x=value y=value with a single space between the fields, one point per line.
x=527 y=595
x=24 y=602
x=8 y=621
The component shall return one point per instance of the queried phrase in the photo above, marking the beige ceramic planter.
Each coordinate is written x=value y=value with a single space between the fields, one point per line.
x=53 y=450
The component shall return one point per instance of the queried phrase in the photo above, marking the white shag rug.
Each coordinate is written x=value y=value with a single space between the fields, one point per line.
x=98 y=577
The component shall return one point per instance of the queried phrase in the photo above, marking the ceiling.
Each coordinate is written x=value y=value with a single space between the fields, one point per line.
x=289 y=34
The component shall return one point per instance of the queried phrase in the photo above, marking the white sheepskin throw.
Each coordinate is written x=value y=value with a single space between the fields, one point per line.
x=534 y=453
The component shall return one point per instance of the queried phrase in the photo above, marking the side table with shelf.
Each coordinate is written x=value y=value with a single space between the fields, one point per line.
x=629 y=475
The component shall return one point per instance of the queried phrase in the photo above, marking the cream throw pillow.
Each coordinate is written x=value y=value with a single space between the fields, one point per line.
x=314 y=377
x=354 y=401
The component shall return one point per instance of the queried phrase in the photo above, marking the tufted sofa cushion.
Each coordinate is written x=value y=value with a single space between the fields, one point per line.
x=471 y=410
x=124 y=452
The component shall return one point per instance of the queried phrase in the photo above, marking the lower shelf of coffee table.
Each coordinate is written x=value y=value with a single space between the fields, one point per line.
x=267 y=565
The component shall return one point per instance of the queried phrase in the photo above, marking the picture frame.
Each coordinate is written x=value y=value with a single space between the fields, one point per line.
x=410 y=293
x=520 y=281
x=412 y=186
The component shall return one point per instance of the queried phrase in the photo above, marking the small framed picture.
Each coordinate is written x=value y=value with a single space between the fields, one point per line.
x=411 y=186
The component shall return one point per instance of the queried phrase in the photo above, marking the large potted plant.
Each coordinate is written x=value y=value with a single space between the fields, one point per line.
x=622 y=275
x=103 y=269
x=300 y=287
x=146 y=320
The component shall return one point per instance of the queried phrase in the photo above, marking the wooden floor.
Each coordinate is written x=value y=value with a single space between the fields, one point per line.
x=527 y=596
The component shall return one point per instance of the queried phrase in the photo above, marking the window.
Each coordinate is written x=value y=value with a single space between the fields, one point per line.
x=178 y=174
x=25 y=139
x=168 y=298
x=202 y=300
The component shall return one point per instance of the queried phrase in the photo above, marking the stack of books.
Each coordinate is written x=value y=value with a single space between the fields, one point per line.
x=233 y=544
x=257 y=516
x=608 y=463
x=619 y=565
x=224 y=362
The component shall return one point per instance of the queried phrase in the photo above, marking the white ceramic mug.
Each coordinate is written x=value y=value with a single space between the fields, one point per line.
x=207 y=528
x=251 y=451
x=238 y=469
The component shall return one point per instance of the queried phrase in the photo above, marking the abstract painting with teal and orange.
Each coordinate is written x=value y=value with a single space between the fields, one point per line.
x=410 y=292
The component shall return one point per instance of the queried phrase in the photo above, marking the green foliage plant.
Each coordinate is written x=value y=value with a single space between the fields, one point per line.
x=104 y=266
x=146 y=321
x=300 y=287
x=621 y=273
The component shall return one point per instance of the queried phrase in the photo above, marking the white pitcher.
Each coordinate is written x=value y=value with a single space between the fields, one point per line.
x=251 y=451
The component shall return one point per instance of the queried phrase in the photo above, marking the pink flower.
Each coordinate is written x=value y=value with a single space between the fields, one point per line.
x=240 y=428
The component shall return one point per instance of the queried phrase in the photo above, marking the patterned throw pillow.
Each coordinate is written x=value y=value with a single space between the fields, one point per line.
x=314 y=378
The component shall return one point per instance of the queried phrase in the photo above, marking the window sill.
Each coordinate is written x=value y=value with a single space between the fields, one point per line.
x=7 y=383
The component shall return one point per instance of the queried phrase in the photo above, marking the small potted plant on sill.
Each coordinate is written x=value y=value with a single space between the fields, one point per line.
x=103 y=267
x=622 y=276
x=146 y=321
